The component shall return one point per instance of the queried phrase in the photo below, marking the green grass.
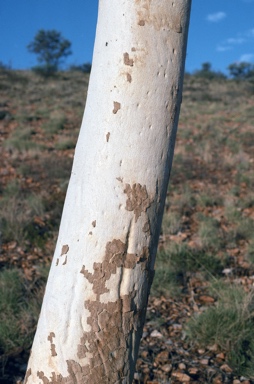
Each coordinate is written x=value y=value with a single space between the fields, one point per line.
x=174 y=265
x=250 y=250
x=171 y=223
x=53 y=126
x=65 y=143
x=211 y=178
x=228 y=324
x=209 y=233
x=206 y=199
x=16 y=222
x=22 y=140
x=20 y=304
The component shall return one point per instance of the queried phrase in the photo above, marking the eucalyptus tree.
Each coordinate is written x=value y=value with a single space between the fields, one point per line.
x=51 y=48
x=96 y=296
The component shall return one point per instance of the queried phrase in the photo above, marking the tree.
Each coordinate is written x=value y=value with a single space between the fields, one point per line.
x=242 y=70
x=86 y=67
x=95 y=301
x=51 y=48
x=206 y=72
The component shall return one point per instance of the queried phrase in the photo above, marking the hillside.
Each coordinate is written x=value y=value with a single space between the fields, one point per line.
x=206 y=253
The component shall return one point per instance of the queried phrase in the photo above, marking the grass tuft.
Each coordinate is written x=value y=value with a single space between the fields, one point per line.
x=174 y=265
x=229 y=324
x=19 y=309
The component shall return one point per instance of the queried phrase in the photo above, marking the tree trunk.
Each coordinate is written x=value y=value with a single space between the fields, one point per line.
x=95 y=302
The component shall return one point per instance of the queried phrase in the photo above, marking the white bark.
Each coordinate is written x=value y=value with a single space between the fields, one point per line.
x=95 y=301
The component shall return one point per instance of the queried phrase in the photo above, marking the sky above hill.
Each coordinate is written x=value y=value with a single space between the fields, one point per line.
x=221 y=31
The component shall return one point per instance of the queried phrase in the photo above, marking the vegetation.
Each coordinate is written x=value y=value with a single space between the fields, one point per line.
x=229 y=325
x=205 y=262
x=207 y=72
x=19 y=309
x=51 y=48
x=241 y=70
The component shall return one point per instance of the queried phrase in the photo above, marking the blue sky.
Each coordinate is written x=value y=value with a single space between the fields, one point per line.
x=221 y=31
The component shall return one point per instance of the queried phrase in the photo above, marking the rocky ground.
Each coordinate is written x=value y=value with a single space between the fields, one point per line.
x=210 y=207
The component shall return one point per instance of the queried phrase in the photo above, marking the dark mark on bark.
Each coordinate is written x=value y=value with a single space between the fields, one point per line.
x=127 y=60
x=65 y=249
x=52 y=345
x=117 y=106
x=138 y=199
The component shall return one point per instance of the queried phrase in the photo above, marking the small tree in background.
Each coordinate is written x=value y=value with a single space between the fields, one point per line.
x=51 y=48
x=86 y=67
x=242 y=70
x=207 y=72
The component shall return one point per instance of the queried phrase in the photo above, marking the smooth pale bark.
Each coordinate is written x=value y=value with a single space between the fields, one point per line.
x=96 y=296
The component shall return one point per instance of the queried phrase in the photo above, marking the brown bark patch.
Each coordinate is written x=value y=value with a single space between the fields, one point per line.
x=129 y=77
x=65 y=249
x=141 y=23
x=117 y=106
x=41 y=376
x=138 y=199
x=112 y=325
x=146 y=226
x=52 y=345
x=159 y=16
x=116 y=256
x=107 y=136
x=94 y=223
x=127 y=60
x=28 y=373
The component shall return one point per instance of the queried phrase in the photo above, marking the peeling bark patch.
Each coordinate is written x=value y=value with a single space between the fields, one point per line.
x=146 y=227
x=65 y=260
x=113 y=325
x=127 y=60
x=138 y=199
x=108 y=134
x=65 y=249
x=129 y=78
x=117 y=106
x=28 y=373
x=159 y=16
x=116 y=256
x=44 y=379
x=52 y=345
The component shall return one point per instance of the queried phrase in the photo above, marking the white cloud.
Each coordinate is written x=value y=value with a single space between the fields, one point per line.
x=235 y=40
x=247 y=58
x=229 y=43
x=250 y=33
x=223 y=48
x=215 y=17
